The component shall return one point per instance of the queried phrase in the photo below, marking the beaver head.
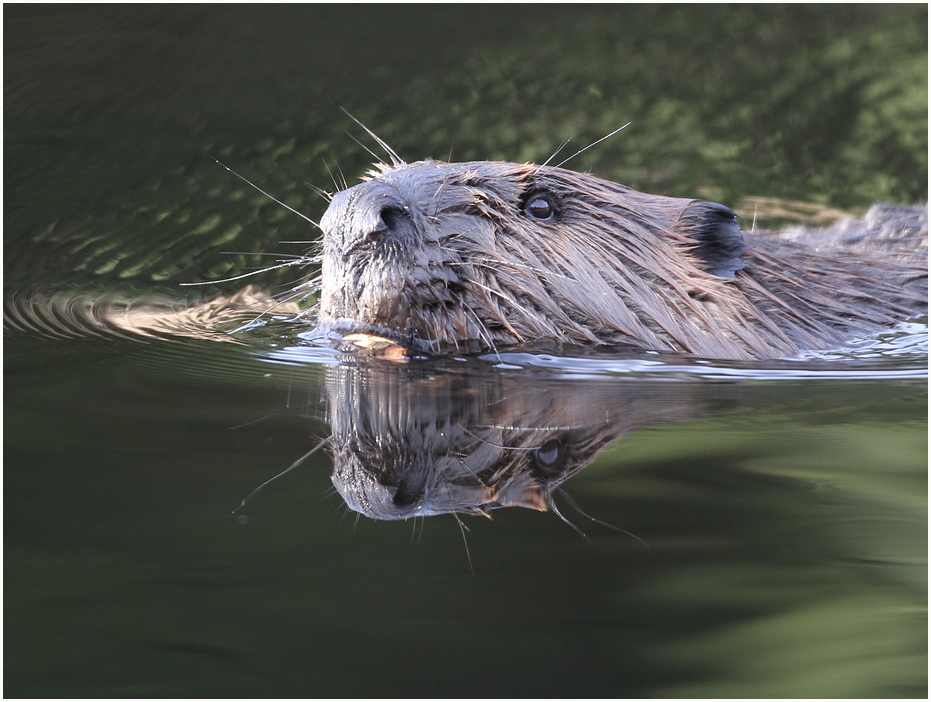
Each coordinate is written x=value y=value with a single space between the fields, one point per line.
x=477 y=256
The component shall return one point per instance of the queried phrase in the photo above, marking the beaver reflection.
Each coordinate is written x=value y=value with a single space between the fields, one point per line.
x=409 y=443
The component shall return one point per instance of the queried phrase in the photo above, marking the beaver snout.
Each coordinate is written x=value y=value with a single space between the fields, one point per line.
x=364 y=217
x=370 y=245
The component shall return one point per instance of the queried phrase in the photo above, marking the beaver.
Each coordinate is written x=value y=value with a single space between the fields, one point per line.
x=478 y=256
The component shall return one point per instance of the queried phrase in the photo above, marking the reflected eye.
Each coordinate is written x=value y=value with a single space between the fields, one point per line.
x=548 y=456
x=539 y=207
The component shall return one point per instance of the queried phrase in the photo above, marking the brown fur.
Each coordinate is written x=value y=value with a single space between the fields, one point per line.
x=442 y=256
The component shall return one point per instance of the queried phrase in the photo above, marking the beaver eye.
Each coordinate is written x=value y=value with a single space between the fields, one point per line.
x=539 y=207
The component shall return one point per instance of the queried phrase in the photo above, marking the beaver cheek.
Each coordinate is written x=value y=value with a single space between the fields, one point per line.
x=382 y=298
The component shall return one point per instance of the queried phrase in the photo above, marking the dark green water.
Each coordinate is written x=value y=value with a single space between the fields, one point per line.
x=773 y=516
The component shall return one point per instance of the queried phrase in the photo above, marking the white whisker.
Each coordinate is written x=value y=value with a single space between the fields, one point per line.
x=319 y=191
x=551 y=503
x=373 y=154
x=594 y=143
x=482 y=329
x=332 y=177
x=244 y=275
x=396 y=160
x=553 y=155
x=267 y=194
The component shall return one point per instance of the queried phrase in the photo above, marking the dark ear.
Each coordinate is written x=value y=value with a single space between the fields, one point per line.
x=718 y=242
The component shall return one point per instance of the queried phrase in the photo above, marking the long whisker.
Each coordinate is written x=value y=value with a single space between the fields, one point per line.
x=332 y=177
x=551 y=503
x=287 y=470
x=484 y=261
x=396 y=160
x=320 y=191
x=250 y=422
x=374 y=155
x=561 y=147
x=594 y=143
x=465 y=541
x=502 y=296
x=342 y=177
x=257 y=253
x=267 y=194
x=500 y=446
x=575 y=506
x=244 y=275
x=264 y=312
x=482 y=329
x=472 y=471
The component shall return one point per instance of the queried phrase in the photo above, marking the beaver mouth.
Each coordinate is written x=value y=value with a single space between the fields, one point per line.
x=343 y=328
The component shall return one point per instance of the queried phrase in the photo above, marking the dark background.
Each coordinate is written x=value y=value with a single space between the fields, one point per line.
x=113 y=116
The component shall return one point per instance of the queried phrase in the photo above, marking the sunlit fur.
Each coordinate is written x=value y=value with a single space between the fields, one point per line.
x=463 y=267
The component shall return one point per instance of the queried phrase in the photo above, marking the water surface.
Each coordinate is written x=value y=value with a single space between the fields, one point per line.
x=747 y=529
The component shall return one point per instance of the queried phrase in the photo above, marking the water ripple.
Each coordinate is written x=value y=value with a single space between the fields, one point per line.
x=895 y=354
x=70 y=315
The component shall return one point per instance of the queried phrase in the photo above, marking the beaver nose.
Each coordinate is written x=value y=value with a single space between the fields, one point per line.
x=367 y=216
x=388 y=220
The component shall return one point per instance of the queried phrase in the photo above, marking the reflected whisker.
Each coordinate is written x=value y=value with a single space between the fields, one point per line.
x=506 y=448
x=465 y=541
x=251 y=422
x=275 y=477
x=551 y=503
x=577 y=508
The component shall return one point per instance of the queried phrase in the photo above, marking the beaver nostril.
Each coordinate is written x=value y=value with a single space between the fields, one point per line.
x=389 y=216
x=388 y=220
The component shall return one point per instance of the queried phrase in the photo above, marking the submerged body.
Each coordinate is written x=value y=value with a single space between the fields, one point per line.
x=480 y=256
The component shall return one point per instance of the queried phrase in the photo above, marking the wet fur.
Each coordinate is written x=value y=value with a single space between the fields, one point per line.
x=455 y=264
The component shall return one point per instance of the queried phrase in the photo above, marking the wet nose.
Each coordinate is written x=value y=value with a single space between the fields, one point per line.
x=390 y=219
x=381 y=219
x=367 y=215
